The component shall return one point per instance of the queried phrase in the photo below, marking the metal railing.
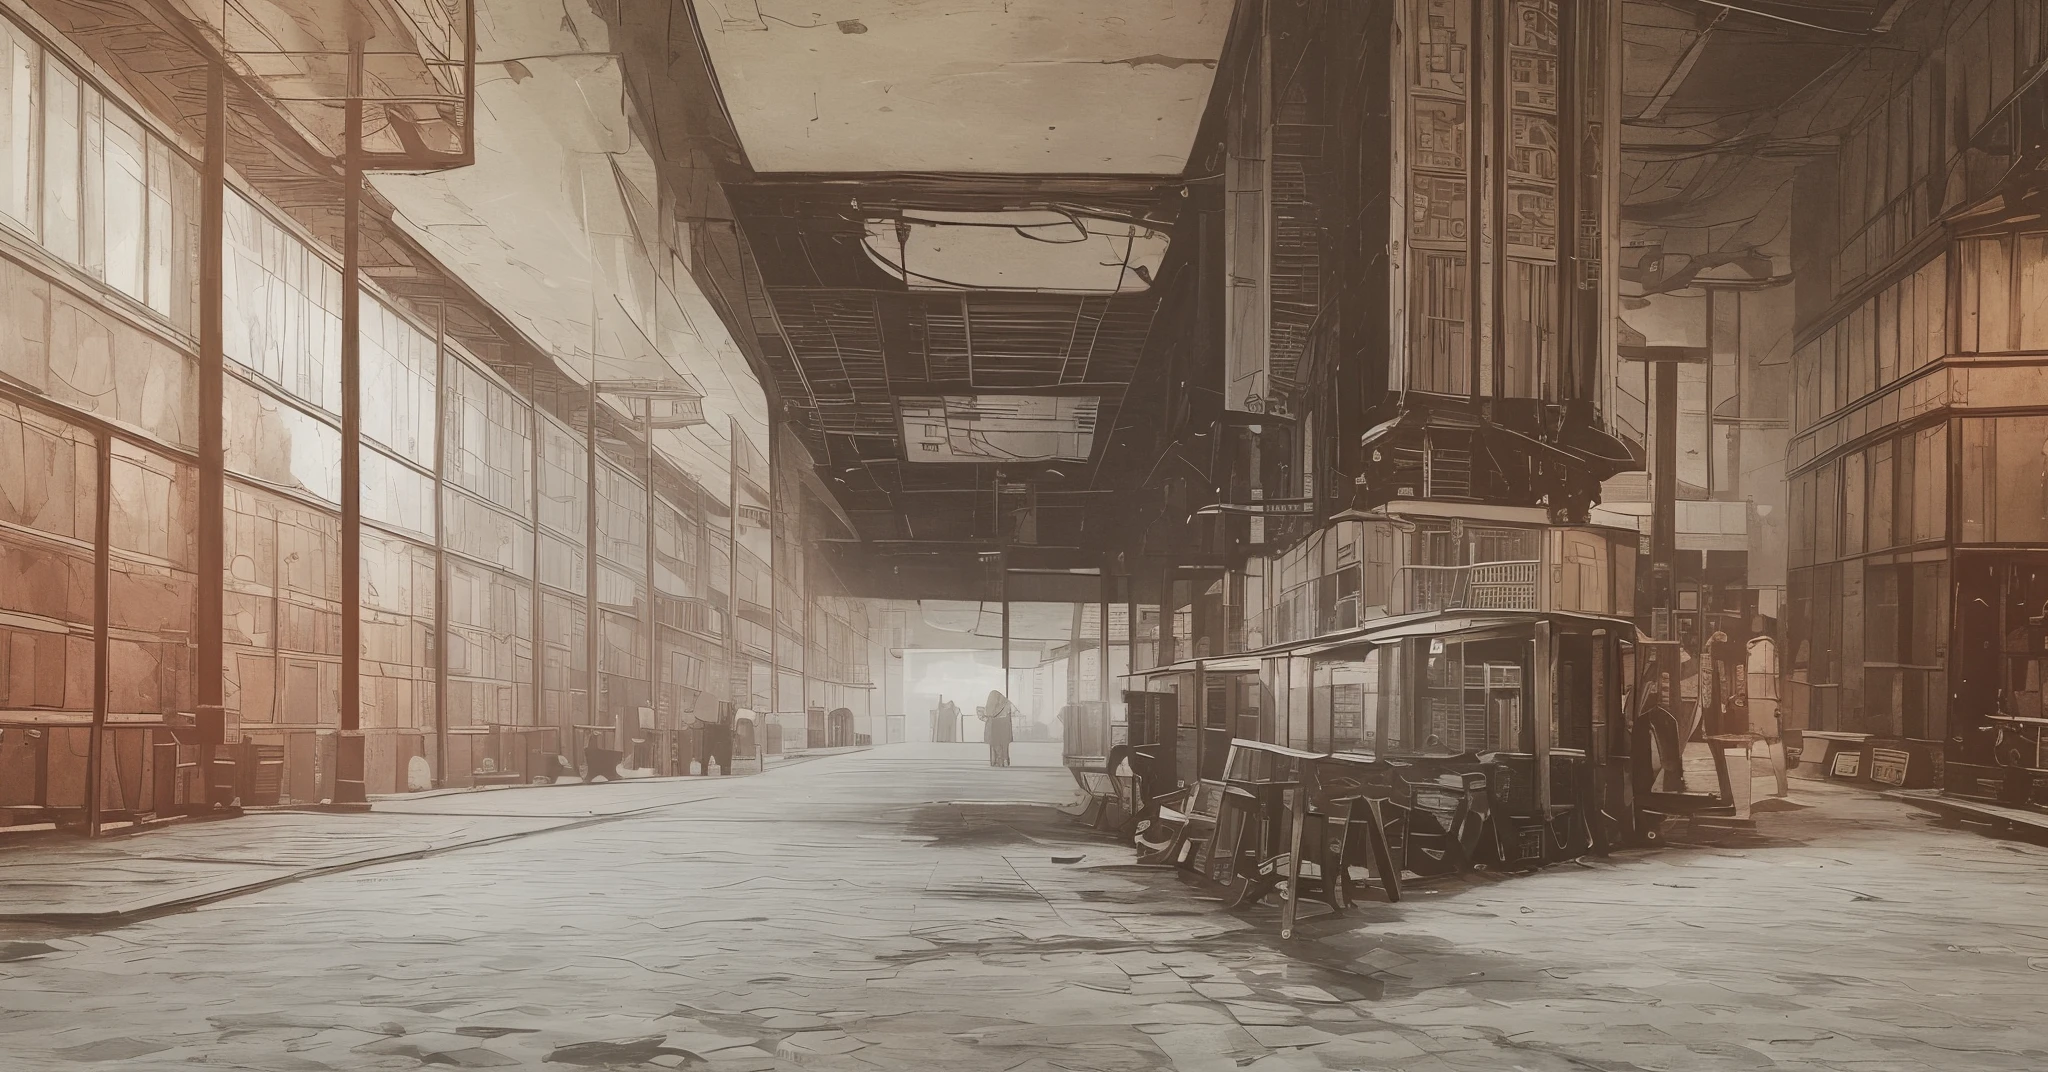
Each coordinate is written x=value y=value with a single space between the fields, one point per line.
x=1486 y=586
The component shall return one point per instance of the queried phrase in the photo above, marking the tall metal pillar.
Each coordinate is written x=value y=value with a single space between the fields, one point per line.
x=775 y=589
x=1102 y=637
x=1664 y=501
x=590 y=621
x=536 y=423
x=742 y=686
x=1003 y=589
x=96 y=746
x=212 y=527
x=653 y=620
x=441 y=585
x=349 y=786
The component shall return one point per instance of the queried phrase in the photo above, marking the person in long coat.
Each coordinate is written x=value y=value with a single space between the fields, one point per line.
x=998 y=713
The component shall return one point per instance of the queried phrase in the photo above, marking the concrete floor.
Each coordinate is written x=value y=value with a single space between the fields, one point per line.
x=909 y=908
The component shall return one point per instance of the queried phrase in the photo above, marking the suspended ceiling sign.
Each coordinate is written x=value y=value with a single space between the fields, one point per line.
x=999 y=428
x=1048 y=252
x=1076 y=86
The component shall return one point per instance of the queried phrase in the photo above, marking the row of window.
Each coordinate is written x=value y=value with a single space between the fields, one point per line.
x=2000 y=305
x=1893 y=493
x=92 y=185
x=1888 y=158
x=1892 y=335
x=84 y=177
x=1867 y=650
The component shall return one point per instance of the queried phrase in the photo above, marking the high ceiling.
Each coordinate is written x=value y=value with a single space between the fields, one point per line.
x=1722 y=103
x=991 y=86
x=955 y=214
x=917 y=396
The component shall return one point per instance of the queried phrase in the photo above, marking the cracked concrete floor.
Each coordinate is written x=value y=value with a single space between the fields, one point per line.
x=908 y=908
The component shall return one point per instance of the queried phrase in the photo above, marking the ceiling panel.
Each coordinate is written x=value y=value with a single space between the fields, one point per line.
x=1076 y=86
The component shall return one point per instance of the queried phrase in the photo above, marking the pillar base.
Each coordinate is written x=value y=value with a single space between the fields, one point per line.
x=350 y=789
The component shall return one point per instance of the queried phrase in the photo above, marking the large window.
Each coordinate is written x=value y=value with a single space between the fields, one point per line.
x=1346 y=704
x=281 y=307
x=84 y=176
x=2005 y=480
x=282 y=609
x=564 y=507
x=1900 y=331
x=1471 y=695
x=398 y=633
x=152 y=609
x=490 y=648
x=48 y=487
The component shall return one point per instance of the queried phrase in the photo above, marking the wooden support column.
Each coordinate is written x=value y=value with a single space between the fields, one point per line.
x=441 y=585
x=653 y=619
x=211 y=530
x=775 y=595
x=96 y=746
x=590 y=612
x=349 y=785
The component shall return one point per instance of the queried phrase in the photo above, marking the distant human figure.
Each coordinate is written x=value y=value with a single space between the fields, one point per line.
x=998 y=714
x=946 y=721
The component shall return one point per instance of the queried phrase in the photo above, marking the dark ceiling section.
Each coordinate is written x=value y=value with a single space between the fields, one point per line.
x=1723 y=103
x=849 y=339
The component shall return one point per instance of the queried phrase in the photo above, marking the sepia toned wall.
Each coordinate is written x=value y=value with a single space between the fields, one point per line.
x=1920 y=399
x=476 y=496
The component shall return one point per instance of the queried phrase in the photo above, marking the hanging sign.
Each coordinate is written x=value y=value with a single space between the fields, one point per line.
x=1264 y=508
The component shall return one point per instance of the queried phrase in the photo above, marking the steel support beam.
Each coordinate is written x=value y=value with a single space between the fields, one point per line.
x=350 y=788
x=208 y=692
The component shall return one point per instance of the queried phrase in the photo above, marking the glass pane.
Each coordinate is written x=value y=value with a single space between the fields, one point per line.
x=397 y=495
x=1354 y=686
x=1994 y=295
x=398 y=384
x=62 y=142
x=490 y=647
x=48 y=490
x=1934 y=309
x=281 y=625
x=674 y=551
x=20 y=66
x=489 y=453
x=1887 y=336
x=563 y=487
x=566 y=655
x=622 y=520
x=98 y=362
x=2033 y=312
x=123 y=196
x=487 y=534
x=281 y=307
x=398 y=633
x=153 y=587
x=165 y=230
x=275 y=442
x=1979 y=470
x=1930 y=484
x=1879 y=497
x=2020 y=492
